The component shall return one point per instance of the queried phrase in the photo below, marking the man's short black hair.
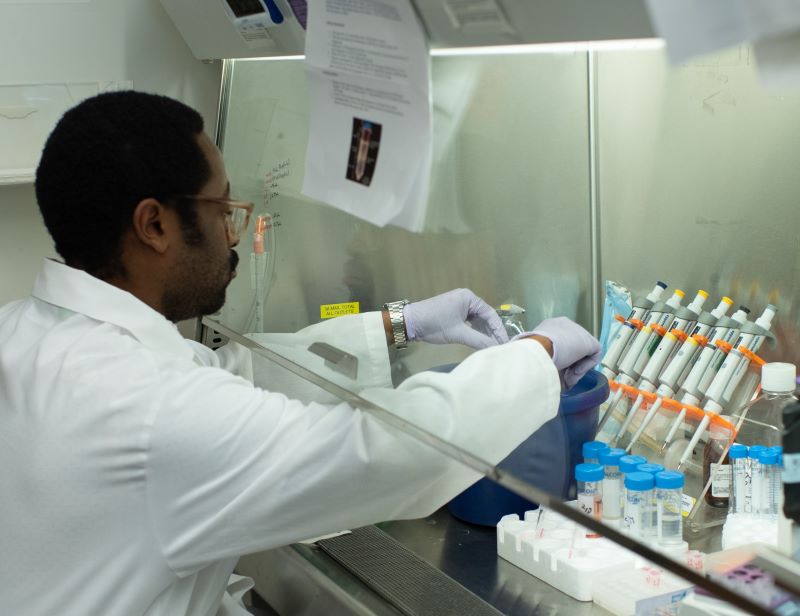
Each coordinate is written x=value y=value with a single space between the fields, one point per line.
x=104 y=156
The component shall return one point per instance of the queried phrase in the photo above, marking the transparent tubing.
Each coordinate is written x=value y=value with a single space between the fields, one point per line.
x=263 y=266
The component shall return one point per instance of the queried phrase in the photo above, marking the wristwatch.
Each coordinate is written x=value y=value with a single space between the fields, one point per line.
x=398 y=322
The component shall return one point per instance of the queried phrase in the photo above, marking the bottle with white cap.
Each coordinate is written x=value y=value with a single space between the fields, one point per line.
x=764 y=419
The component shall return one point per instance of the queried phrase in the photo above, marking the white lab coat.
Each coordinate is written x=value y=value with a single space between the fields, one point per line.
x=136 y=470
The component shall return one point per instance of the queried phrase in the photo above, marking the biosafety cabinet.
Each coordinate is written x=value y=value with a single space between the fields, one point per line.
x=555 y=169
x=553 y=172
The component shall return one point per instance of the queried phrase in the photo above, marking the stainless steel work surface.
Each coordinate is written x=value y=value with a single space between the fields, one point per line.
x=468 y=554
x=407 y=581
x=303 y=580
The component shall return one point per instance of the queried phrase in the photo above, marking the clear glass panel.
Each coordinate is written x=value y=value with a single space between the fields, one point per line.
x=507 y=216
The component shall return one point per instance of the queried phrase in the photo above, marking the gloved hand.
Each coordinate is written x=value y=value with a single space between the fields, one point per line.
x=575 y=351
x=443 y=319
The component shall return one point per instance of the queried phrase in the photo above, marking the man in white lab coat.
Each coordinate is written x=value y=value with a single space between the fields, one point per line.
x=136 y=467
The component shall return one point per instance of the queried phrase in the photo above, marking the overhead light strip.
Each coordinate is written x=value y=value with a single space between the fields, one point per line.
x=568 y=47
x=500 y=50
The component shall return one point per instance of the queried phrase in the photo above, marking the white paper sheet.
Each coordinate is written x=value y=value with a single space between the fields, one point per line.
x=369 y=145
x=696 y=27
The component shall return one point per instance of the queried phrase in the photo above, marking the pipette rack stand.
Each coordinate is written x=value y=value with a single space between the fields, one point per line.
x=698 y=514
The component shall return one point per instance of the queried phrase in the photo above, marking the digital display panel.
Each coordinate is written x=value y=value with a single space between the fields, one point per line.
x=243 y=8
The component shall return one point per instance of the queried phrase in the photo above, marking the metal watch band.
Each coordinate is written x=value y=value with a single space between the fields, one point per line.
x=398 y=322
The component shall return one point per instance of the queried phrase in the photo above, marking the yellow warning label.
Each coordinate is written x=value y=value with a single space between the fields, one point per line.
x=329 y=311
x=687 y=504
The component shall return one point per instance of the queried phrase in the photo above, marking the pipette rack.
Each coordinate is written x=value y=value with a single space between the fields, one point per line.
x=697 y=513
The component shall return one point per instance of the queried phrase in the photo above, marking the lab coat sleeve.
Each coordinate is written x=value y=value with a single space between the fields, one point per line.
x=361 y=335
x=234 y=469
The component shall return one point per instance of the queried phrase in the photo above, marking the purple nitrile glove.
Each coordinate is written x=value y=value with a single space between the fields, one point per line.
x=575 y=351
x=443 y=319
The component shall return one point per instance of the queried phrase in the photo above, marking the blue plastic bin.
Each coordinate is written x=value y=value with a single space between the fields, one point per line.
x=546 y=459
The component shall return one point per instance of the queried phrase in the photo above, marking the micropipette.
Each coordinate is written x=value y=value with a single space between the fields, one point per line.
x=725 y=331
x=733 y=369
x=718 y=359
x=650 y=363
x=751 y=337
x=610 y=362
x=704 y=324
x=669 y=378
x=661 y=315
x=668 y=383
x=645 y=344
x=647 y=383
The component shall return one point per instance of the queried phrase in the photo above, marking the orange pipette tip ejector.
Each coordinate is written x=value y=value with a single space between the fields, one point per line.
x=752 y=357
x=724 y=346
x=679 y=334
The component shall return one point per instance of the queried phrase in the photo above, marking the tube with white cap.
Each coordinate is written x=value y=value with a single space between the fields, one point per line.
x=733 y=368
x=727 y=329
x=610 y=362
x=651 y=365
x=660 y=316
x=668 y=379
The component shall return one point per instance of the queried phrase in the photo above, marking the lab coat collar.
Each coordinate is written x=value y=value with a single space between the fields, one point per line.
x=75 y=290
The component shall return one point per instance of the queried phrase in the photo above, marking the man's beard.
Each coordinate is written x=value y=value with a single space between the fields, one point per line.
x=200 y=288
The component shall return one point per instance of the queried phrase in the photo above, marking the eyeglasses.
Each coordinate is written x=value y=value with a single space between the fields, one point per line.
x=236 y=219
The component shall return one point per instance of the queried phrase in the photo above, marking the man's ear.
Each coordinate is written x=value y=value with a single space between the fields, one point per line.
x=151 y=224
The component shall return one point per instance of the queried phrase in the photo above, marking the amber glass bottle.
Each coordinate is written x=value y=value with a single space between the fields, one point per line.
x=719 y=492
